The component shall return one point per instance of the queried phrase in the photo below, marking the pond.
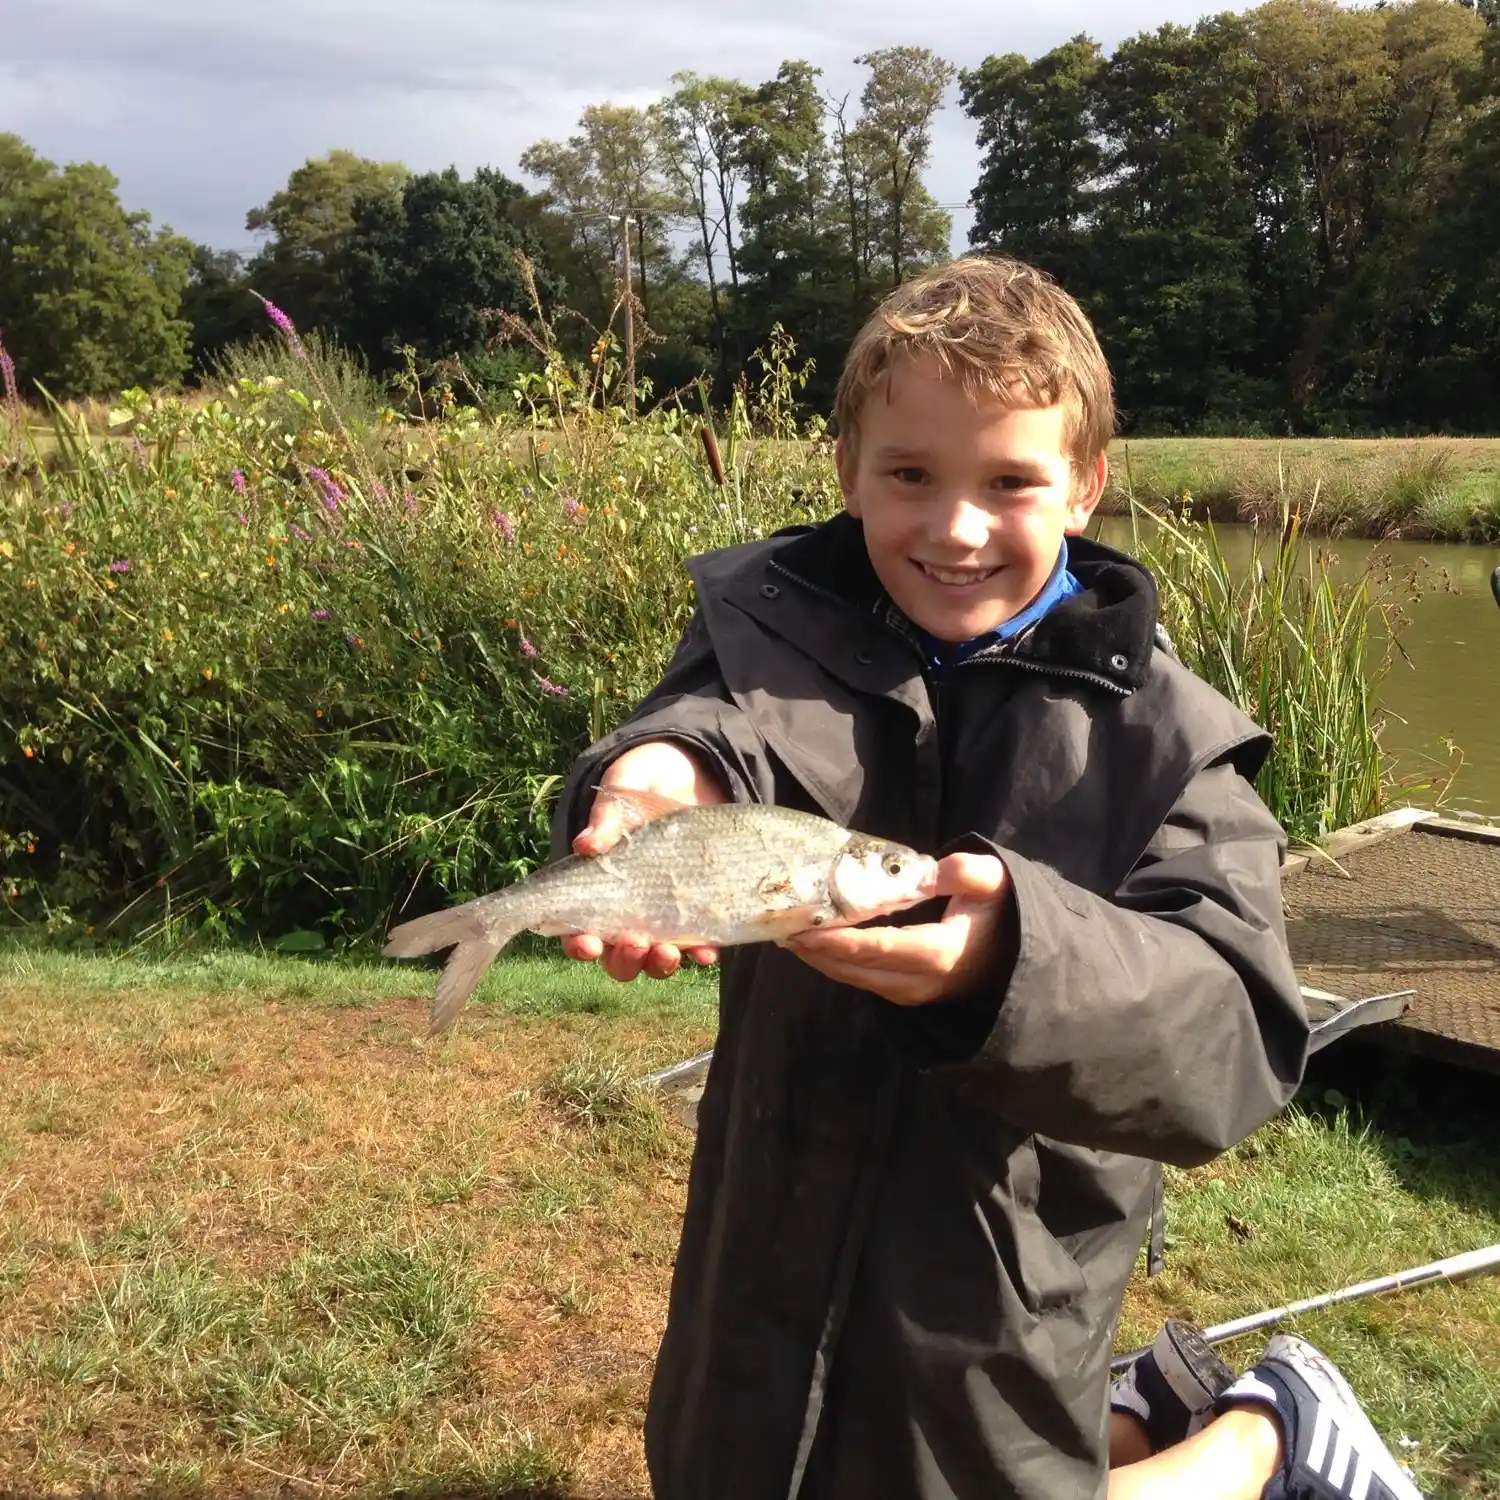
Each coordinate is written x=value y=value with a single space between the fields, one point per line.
x=1448 y=685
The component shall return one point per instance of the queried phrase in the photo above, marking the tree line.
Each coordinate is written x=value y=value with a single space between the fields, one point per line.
x=1282 y=220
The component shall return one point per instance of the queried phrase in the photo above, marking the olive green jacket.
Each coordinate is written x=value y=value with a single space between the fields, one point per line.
x=908 y=1231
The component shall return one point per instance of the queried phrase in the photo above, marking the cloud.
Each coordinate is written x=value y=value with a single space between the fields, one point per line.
x=202 y=110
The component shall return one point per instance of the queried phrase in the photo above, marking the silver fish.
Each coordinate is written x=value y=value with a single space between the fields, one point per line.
x=697 y=876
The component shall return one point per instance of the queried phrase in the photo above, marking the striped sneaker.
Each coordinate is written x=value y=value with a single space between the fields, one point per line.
x=1332 y=1450
x=1172 y=1387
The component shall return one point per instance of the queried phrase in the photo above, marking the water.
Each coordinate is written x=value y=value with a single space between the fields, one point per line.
x=1450 y=687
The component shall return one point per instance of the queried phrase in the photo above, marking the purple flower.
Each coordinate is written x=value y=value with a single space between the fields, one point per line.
x=550 y=688
x=506 y=525
x=571 y=507
x=120 y=565
x=8 y=382
x=237 y=479
x=527 y=649
x=411 y=501
x=332 y=491
x=379 y=490
x=526 y=490
x=299 y=533
x=320 y=614
x=285 y=324
x=243 y=519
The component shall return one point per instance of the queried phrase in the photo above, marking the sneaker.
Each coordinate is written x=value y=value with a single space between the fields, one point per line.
x=1332 y=1450
x=1172 y=1387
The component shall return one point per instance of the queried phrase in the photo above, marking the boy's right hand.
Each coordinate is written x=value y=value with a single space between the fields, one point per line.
x=667 y=770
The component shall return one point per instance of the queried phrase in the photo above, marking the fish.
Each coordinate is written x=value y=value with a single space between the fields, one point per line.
x=697 y=876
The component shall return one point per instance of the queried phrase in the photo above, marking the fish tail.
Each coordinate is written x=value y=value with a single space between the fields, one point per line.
x=476 y=939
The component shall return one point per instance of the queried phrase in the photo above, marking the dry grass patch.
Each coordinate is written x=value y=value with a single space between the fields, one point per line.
x=246 y=1242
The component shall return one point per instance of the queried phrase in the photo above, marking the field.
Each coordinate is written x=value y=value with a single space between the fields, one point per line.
x=255 y=1239
x=1421 y=488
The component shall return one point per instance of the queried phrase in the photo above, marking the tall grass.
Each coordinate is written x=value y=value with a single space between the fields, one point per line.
x=285 y=662
x=1291 y=646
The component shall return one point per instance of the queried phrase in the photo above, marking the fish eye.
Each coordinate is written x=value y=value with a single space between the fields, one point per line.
x=892 y=864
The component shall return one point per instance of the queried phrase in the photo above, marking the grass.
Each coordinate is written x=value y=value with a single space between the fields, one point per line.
x=1421 y=488
x=254 y=1234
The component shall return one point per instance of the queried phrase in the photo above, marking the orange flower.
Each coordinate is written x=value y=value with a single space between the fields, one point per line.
x=28 y=752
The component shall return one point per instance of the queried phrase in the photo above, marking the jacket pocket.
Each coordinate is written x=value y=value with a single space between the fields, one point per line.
x=1047 y=1277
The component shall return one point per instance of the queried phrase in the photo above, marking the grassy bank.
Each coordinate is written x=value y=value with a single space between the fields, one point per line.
x=254 y=1235
x=1425 y=489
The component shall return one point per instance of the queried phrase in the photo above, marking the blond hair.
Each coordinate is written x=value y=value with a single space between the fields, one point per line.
x=996 y=325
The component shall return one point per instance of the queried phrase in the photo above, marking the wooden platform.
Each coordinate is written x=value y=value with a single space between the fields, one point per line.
x=1407 y=901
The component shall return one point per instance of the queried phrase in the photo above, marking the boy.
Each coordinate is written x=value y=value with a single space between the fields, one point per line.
x=925 y=1149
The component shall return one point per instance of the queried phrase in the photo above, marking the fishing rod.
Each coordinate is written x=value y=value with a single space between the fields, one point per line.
x=1453 y=1268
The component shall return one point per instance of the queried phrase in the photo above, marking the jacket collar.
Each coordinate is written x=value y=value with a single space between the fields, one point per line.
x=1108 y=631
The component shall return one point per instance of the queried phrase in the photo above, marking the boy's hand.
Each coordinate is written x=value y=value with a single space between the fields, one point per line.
x=918 y=965
x=667 y=770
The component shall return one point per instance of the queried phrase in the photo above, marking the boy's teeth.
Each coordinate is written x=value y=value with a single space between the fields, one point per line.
x=943 y=575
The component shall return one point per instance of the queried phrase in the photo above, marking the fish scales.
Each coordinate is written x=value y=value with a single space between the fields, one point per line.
x=703 y=876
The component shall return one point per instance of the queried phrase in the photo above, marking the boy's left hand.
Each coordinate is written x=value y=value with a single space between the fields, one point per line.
x=919 y=965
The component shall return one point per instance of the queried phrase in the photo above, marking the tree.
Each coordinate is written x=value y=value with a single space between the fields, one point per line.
x=308 y=222
x=89 y=294
x=218 y=305
x=791 y=253
x=903 y=93
x=428 y=268
x=606 y=178
x=696 y=147
x=1172 y=222
x=1040 y=160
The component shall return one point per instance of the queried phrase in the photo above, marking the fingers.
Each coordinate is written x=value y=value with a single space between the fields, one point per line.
x=627 y=959
x=980 y=876
x=604 y=829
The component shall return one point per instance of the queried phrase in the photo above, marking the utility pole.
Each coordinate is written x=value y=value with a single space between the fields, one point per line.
x=629 y=279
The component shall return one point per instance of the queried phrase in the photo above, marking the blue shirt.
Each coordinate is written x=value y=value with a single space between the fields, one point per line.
x=940 y=655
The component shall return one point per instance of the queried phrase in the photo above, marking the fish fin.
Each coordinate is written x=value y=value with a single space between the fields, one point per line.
x=638 y=807
x=439 y=929
x=464 y=969
x=475 y=942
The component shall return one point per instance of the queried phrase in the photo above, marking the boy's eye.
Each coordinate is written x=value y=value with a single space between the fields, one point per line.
x=1016 y=482
x=909 y=475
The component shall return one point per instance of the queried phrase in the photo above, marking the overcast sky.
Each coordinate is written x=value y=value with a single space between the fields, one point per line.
x=203 y=107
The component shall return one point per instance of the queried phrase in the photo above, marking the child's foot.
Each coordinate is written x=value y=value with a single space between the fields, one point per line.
x=1172 y=1387
x=1332 y=1452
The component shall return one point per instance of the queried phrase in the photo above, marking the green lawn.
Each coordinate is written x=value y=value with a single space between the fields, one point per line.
x=256 y=1237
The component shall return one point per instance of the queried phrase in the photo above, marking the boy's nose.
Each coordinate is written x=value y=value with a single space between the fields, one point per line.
x=963 y=525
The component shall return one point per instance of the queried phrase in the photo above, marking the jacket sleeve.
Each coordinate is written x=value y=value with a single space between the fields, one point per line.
x=690 y=705
x=1165 y=1021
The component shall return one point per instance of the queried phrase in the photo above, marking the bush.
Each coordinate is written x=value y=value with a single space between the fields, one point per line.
x=272 y=665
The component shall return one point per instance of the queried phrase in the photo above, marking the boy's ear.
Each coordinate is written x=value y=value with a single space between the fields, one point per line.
x=1087 y=494
x=843 y=461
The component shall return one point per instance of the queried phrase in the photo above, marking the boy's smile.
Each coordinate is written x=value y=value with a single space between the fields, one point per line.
x=964 y=500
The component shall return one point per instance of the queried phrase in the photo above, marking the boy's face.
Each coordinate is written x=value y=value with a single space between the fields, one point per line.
x=965 y=500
